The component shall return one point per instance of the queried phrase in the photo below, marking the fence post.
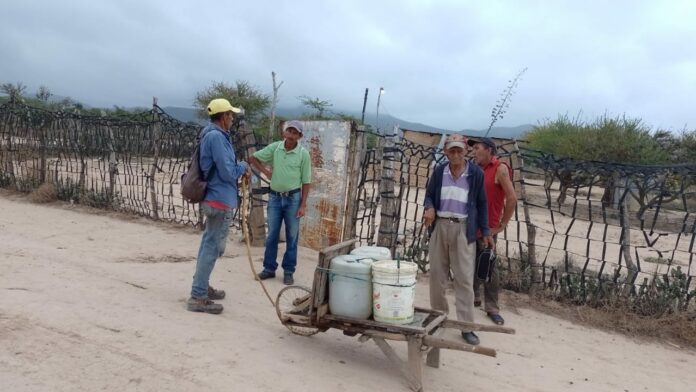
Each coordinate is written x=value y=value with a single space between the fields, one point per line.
x=113 y=165
x=531 y=229
x=356 y=152
x=377 y=176
x=153 y=169
x=389 y=220
x=42 y=151
x=257 y=221
x=625 y=252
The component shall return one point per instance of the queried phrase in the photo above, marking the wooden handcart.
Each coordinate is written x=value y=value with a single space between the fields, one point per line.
x=306 y=311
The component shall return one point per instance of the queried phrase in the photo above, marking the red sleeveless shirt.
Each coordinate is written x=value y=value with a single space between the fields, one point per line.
x=495 y=195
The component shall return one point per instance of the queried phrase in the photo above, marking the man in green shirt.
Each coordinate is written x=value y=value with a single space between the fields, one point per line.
x=290 y=174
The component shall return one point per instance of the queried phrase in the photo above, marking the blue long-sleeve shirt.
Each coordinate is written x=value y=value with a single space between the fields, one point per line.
x=219 y=165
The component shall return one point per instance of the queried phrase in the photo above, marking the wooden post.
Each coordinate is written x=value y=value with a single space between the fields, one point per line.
x=531 y=229
x=379 y=154
x=274 y=102
x=414 y=380
x=389 y=220
x=257 y=221
x=626 y=246
x=356 y=152
x=113 y=166
x=415 y=360
x=9 y=129
x=42 y=151
x=153 y=169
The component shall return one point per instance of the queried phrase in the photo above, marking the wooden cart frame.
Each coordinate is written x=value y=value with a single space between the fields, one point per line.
x=306 y=311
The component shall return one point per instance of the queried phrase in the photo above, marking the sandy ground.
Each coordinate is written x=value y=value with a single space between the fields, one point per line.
x=95 y=302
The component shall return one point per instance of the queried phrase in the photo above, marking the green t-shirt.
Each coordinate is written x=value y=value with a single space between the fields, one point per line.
x=291 y=168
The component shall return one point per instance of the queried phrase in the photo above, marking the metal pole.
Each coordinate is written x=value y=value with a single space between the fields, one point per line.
x=379 y=96
x=362 y=119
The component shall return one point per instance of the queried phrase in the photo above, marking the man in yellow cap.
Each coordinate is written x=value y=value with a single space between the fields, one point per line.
x=221 y=170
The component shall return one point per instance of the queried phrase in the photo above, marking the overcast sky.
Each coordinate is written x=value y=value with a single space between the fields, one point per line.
x=442 y=63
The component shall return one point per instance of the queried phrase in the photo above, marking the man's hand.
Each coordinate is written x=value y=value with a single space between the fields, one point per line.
x=268 y=172
x=301 y=211
x=497 y=230
x=248 y=172
x=429 y=216
x=488 y=242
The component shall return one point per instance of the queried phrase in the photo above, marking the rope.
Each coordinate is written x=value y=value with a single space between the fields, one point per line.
x=245 y=210
x=331 y=274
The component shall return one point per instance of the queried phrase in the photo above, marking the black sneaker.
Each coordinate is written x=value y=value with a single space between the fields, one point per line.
x=203 y=305
x=471 y=338
x=215 y=294
x=288 y=280
x=266 y=275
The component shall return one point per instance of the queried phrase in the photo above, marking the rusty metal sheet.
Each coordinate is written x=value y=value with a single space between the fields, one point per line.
x=327 y=142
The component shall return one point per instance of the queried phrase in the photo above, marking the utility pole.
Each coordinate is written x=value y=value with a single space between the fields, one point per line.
x=379 y=96
x=362 y=119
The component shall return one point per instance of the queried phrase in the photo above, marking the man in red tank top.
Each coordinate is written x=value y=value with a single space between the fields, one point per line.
x=501 y=199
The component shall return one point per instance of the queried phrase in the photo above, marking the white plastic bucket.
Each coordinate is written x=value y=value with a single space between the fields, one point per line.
x=350 y=286
x=373 y=252
x=393 y=291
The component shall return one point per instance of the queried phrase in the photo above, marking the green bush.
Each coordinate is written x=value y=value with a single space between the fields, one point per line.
x=619 y=139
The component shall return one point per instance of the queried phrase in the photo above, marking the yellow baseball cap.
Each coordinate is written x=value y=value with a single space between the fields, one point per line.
x=221 y=105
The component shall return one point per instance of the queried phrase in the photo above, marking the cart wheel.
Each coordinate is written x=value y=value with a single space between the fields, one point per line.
x=295 y=300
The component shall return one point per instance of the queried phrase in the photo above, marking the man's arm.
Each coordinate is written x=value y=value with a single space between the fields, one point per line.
x=482 y=213
x=503 y=177
x=303 y=202
x=306 y=180
x=260 y=167
x=428 y=203
x=225 y=160
x=259 y=159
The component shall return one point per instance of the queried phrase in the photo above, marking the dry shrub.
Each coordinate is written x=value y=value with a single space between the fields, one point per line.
x=44 y=194
x=673 y=328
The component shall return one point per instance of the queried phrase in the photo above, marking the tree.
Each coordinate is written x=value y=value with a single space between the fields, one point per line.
x=13 y=90
x=242 y=94
x=44 y=94
x=274 y=102
x=618 y=139
x=317 y=104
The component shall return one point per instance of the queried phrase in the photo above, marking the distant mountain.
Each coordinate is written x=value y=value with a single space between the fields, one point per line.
x=183 y=114
x=501 y=132
x=386 y=121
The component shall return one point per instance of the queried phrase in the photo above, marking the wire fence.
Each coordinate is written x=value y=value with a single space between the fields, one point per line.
x=586 y=230
x=131 y=162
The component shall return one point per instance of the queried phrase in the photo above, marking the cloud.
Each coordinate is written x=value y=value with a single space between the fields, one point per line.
x=441 y=62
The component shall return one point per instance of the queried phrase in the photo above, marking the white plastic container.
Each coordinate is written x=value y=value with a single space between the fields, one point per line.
x=393 y=291
x=373 y=252
x=350 y=286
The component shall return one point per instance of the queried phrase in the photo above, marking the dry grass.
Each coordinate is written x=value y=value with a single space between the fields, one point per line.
x=46 y=193
x=677 y=330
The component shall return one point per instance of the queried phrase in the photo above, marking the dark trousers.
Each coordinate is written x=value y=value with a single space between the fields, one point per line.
x=490 y=288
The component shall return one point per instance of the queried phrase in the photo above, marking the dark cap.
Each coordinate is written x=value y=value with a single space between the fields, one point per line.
x=486 y=141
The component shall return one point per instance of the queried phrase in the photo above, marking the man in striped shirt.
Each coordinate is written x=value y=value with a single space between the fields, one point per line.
x=455 y=203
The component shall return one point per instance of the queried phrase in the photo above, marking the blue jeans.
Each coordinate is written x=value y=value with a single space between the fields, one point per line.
x=282 y=209
x=217 y=226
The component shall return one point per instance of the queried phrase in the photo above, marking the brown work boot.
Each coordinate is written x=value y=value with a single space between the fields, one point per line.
x=203 y=305
x=215 y=294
